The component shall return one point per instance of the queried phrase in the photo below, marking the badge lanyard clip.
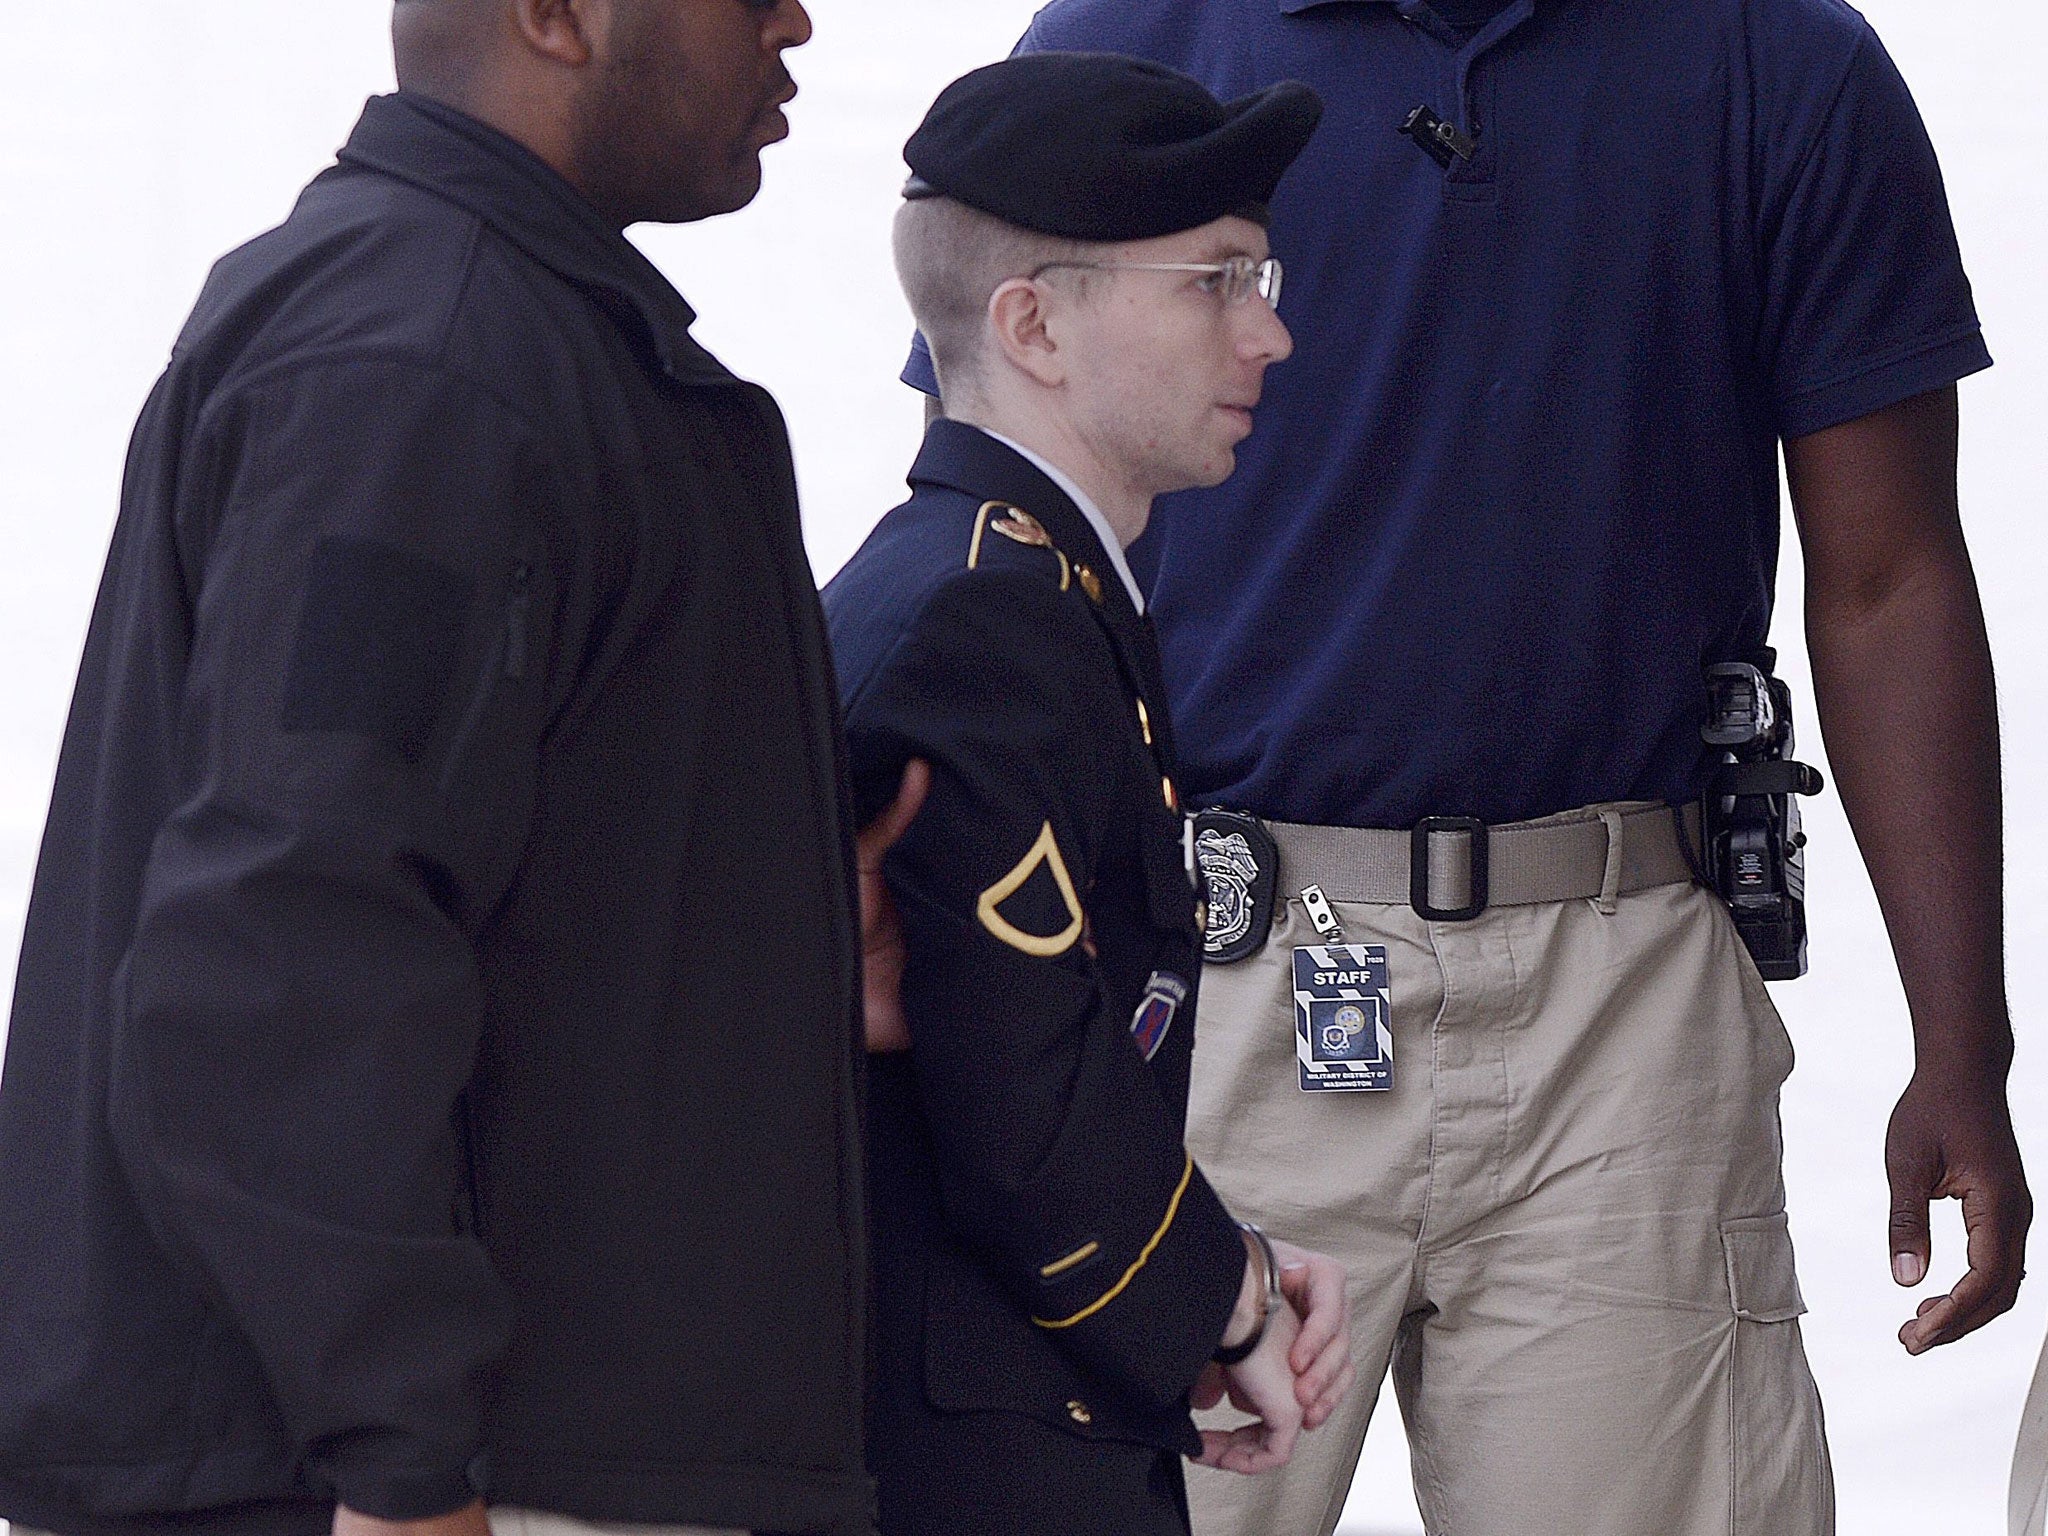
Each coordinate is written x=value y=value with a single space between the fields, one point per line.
x=1322 y=917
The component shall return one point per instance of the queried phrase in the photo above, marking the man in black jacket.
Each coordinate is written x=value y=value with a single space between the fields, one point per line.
x=427 y=1084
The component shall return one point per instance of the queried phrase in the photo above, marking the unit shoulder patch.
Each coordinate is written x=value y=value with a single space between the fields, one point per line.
x=1164 y=995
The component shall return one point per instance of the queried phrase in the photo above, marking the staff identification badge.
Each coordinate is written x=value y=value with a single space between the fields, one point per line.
x=1343 y=1018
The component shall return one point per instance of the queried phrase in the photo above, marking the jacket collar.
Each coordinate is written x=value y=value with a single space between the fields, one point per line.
x=1468 y=49
x=961 y=458
x=967 y=459
x=432 y=146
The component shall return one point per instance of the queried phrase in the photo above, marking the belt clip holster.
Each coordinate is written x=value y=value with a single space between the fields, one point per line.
x=1419 y=848
x=1753 y=849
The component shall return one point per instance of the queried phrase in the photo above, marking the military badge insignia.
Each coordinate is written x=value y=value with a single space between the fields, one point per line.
x=1240 y=870
x=1020 y=527
x=1343 y=1028
x=1163 y=996
x=1015 y=523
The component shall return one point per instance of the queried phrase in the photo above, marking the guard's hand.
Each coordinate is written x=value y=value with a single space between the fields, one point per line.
x=470 y=1521
x=1313 y=1284
x=1261 y=1384
x=881 y=930
x=1951 y=1138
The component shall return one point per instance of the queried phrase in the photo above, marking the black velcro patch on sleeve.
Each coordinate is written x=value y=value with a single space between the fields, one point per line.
x=379 y=638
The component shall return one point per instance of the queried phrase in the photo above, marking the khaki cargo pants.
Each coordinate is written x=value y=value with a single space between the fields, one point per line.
x=1564 y=1226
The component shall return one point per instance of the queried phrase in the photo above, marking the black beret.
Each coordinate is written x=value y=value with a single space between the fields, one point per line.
x=1096 y=146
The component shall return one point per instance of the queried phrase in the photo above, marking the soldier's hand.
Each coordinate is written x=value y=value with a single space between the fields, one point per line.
x=1951 y=1138
x=1262 y=1384
x=1313 y=1284
x=468 y=1521
x=881 y=930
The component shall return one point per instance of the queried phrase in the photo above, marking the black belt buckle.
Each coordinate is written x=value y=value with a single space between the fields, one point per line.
x=1418 y=868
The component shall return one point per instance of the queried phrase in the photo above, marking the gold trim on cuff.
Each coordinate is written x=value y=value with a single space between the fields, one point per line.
x=1172 y=1210
x=1079 y=1256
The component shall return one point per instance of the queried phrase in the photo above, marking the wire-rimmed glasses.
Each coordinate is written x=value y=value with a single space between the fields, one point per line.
x=1236 y=279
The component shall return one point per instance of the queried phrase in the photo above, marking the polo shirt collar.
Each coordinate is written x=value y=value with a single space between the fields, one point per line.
x=1467 y=49
x=450 y=154
x=1296 y=7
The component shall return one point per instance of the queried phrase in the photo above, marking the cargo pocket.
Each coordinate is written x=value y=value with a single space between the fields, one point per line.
x=1781 y=1484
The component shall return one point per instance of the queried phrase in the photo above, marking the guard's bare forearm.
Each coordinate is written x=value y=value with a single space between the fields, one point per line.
x=1903 y=685
x=1905 y=699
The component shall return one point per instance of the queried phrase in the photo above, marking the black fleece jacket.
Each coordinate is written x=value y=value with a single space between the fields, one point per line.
x=434 y=1067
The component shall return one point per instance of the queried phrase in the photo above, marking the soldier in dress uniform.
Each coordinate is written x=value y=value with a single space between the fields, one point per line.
x=1083 y=244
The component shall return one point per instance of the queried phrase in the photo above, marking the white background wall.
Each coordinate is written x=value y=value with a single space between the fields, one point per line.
x=139 y=139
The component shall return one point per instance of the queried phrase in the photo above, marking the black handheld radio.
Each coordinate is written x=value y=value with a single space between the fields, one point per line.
x=1749 y=818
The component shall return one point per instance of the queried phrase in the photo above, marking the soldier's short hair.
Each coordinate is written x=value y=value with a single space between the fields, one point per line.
x=950 y=258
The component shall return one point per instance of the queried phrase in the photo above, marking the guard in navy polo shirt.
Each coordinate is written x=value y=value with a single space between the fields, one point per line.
x=1516 y=489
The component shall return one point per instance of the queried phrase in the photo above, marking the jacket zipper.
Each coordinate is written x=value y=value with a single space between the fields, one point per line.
x=471 y=1186
x=518 y=606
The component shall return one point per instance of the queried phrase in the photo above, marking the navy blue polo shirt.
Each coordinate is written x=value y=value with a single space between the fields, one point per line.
x=1518 y=483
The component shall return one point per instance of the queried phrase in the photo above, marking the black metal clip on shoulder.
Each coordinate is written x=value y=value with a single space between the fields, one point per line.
x=1444 y=142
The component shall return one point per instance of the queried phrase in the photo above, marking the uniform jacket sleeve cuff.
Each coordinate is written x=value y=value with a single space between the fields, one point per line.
x=401 y=1495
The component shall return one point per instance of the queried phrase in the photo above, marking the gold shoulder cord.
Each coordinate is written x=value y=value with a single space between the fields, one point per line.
x=1014 y=523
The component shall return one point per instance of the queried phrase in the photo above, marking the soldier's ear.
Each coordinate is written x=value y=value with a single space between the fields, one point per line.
x=1020 y=330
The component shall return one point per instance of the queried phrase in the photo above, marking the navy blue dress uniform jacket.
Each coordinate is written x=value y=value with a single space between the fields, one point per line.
x=1044 y=1247
x=390 y=1113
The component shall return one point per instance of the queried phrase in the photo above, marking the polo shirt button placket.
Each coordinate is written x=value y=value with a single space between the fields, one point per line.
x=1474 y=84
